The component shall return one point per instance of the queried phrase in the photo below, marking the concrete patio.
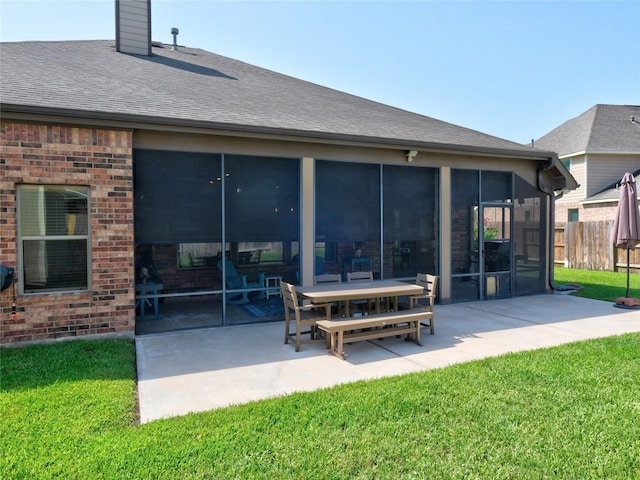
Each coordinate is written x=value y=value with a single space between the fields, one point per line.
x=212 y=368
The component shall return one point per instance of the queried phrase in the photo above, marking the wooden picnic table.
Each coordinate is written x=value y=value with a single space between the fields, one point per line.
x=345 y=292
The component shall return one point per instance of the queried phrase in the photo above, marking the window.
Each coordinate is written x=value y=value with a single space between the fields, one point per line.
x=567 y=163
x=194 y=255
x=199 y=255
x=53 y=231
x=573 y=215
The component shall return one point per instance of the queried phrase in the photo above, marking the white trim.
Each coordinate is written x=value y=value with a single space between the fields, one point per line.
x=596 y=152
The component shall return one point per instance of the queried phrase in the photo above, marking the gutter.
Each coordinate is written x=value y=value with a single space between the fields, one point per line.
x=553 y=196
x=125 y=120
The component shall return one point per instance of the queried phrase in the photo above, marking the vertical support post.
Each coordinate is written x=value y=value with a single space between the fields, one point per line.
x=307 y=222
x=445 y=234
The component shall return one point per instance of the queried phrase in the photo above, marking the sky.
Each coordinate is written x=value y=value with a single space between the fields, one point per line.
x=513 y=69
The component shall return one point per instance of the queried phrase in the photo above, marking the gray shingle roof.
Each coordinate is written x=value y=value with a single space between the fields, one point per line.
x=195 y=87
x=602 y=128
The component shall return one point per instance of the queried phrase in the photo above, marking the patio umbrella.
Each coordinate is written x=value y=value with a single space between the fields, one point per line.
x=626 y=225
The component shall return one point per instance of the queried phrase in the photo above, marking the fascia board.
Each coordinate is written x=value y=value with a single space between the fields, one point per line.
x=138 y=121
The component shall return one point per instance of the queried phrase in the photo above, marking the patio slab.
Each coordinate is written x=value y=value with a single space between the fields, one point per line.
x=213 y=368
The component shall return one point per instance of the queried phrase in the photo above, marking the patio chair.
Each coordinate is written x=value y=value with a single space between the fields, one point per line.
x=327 y=278
x=361 y=277
x=330 y=279
x=426 y=301
x=304 y=316
x=236 y=281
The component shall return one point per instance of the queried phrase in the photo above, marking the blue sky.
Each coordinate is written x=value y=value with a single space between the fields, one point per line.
x=513 y=69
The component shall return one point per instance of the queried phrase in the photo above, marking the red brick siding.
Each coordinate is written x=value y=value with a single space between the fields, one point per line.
x=101 y=159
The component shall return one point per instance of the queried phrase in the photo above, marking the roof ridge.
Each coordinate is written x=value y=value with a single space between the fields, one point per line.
x=596 y=109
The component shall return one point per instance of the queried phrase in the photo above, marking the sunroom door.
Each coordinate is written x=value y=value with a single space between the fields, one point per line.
x=496 y=250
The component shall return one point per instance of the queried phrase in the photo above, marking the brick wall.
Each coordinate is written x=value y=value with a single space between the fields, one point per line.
x=57 y=155
x=586 y=213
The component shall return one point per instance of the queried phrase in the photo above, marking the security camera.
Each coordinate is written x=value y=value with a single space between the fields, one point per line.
x=410 y=154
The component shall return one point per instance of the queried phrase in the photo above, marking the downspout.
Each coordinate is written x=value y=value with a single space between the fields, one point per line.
x=551 y=231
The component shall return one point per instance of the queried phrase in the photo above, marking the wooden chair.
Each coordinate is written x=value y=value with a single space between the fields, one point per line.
x=330 y=279
x=327 y=278
x=429 y=283
x=361 y=277
x=305 y=316
x=353 y=277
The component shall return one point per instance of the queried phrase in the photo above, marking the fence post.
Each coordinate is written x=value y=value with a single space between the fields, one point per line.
x=567 y=226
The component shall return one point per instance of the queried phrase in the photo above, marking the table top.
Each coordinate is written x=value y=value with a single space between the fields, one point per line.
x=359 y=290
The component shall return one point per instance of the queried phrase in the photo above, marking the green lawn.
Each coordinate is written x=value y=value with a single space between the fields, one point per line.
x=599 y=285
x=68 y=410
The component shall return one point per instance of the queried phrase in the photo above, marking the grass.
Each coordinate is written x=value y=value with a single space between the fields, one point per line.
x=68 y=410
x=605 y=286
x=572 y=412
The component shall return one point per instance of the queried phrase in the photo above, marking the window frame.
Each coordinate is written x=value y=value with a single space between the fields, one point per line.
x=573 y=215
x=21 y=239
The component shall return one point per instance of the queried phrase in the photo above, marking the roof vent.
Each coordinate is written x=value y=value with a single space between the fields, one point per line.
x=175 y=32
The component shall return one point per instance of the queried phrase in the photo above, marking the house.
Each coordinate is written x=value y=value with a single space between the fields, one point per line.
x=134 y=173
x=598 y=147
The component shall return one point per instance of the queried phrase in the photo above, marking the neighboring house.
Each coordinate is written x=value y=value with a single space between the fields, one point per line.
x=598 y=147
x=130 y=170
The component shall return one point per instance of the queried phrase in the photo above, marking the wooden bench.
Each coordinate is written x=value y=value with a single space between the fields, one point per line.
x=383 y=324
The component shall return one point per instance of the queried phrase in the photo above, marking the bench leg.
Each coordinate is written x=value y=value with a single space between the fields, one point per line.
x=337 y=344
x=429 y=325
x=415 y=337
x=418 y=328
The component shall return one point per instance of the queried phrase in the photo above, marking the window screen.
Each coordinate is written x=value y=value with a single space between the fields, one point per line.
x=54 y=237
x=496 y=186
x=347 y=202
x=410 y=220
x=177 y=197
x=529 y=238
x=262 y=198
x=410 y=207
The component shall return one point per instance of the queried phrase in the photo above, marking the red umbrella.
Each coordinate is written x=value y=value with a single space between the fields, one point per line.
x=626 y=226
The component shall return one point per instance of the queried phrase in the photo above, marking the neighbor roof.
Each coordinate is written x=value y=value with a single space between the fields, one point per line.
x=193 y=87
x=602 y=128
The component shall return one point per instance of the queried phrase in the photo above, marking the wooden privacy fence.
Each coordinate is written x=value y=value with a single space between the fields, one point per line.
x=586 y=246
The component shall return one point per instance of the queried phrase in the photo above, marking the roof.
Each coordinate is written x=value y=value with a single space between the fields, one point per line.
x=194 y=87
x=601 y=129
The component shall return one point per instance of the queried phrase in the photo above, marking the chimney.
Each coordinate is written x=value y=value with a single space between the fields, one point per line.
x=133 y=26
